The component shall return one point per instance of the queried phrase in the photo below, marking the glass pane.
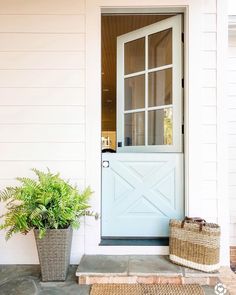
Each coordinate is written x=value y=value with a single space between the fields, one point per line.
x=160 y=88
x=135 y=56
x=160 y=127
x=135 y=92
x=135 y=129
x=160 y=49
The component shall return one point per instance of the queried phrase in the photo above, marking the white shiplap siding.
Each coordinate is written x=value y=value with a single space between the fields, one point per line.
x=42 y=101
x=232 y=134
x=209 y=112
x=42 y=108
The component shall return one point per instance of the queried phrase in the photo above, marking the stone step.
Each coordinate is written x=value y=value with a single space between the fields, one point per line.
x=131 y=269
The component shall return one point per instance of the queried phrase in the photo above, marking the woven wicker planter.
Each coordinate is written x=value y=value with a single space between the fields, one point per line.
x=54 y=253
x=195 y=246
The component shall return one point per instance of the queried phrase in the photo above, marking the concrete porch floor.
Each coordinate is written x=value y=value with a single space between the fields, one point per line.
x=25 y=280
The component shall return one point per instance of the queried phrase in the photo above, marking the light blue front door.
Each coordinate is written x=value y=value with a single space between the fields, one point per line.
x=141 y=192
x=142 y=183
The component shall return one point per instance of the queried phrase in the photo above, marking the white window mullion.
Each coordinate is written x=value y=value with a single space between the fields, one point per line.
x=134 y=111
x=162 y=107
x=134 y=74
x=160 y=68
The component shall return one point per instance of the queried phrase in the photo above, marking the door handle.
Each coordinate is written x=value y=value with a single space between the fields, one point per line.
x=105 y=164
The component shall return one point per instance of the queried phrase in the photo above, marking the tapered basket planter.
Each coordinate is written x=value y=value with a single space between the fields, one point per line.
x=54 y=253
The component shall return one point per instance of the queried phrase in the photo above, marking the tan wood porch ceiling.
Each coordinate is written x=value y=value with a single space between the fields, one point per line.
x=112 y=27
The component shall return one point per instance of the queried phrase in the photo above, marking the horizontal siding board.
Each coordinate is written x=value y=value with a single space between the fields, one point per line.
x=232 y=230
x=208 y=96
x=232 y=76
x=42 y=133
x=209 y=78
x=232 y=202
x=209 y=22
x=41 y=115
x=42 y=78
x=42 y=151
x=232 y=241
x=232 y=102
x=208 y=134
x=79 y=182
x=43 y=7
x=209 y=208
x=209 y=187
x=42 y=96
x=209 y=59
x=232 y=51
x=78 y=244
x=208 y=41
x=231 y=89
x=211 y=219
x=232 y=115
x=232 y=63
x=42 y=23
x=233 y=217
x=232 y=39
x=209 y=152
x=9 y=170
x=208 y=6
x=209 y=115
x=42 y=42
x=232 y=190
x=232 y=140
x=231 y=127
x=42 y=60
x=232 y=178
x=232 y=167
x=232 y=153
x=209 y=171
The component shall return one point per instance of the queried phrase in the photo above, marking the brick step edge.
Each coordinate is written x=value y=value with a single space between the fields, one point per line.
x=90 y=280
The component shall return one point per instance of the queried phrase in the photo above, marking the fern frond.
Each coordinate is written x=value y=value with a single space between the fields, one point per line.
x=41 y=175
x=10 y=232
x=6 y=194
x=28 y=181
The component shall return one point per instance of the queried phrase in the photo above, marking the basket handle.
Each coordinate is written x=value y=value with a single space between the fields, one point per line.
x=198 y=220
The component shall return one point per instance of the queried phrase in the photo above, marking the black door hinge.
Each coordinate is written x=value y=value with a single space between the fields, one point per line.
x=182 y=128
x=183 y=83
x=182 y=37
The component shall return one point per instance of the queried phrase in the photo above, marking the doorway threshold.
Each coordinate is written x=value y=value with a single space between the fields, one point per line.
x=119 y=241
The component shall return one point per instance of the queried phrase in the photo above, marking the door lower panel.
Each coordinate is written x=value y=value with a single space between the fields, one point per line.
x=141 y=193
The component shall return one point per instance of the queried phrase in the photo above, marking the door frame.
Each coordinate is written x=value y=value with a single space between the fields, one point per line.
x=192 y=14
x=93 y=107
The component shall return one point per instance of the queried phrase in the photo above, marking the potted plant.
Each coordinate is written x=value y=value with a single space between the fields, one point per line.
x=51 y=207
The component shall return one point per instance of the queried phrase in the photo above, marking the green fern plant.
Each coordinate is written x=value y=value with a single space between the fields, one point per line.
x=49 y=202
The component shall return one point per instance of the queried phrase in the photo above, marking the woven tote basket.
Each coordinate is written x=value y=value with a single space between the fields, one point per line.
x=54 y=253
x=194 y=243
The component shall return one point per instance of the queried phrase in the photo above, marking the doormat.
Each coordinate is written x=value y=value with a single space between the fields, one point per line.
x=145 y=289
